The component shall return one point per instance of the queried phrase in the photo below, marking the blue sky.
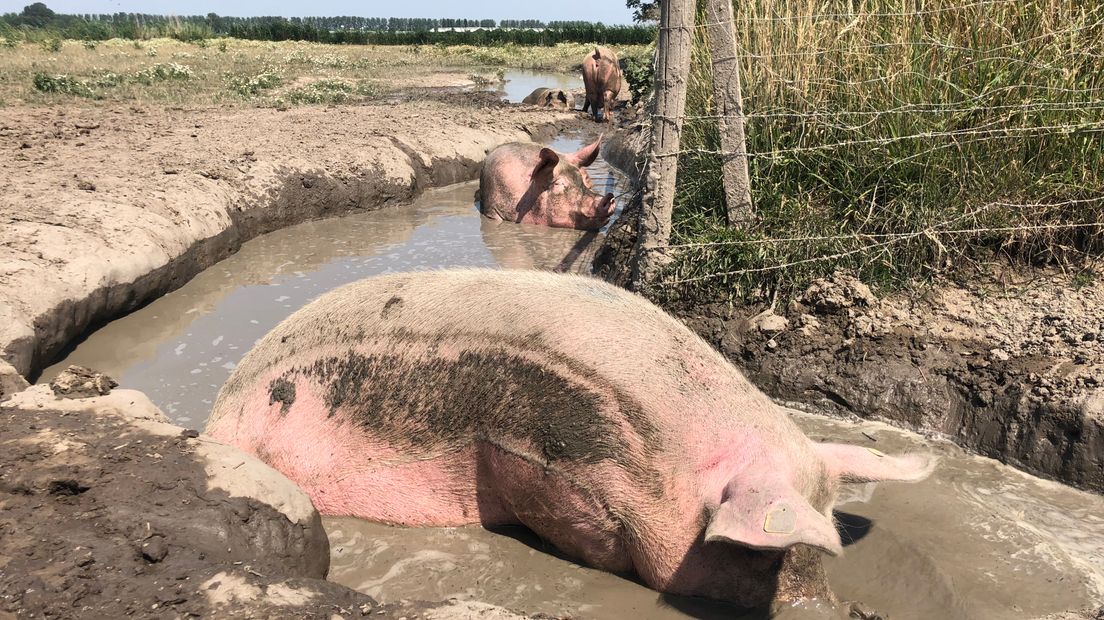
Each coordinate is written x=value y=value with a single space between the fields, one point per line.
x=607 y=11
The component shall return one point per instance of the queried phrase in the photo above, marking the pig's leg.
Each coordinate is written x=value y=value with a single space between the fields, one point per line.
x=607 y=97
x=586 y=104
x=557 y=509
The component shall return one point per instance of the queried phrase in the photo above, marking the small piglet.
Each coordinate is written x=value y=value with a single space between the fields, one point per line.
x=559 y=402
x=527 y=183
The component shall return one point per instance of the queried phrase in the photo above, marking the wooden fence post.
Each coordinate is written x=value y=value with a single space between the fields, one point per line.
x=729 y=107
x=676 y=24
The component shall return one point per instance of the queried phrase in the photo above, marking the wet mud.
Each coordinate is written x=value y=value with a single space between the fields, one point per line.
x=99 y=518
x=977 y=540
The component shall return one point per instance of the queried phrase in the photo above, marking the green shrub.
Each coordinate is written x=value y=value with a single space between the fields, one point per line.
x=62 y=84
x=328 y=92
x=164 y=71
x=639 y=72
x=251 y=85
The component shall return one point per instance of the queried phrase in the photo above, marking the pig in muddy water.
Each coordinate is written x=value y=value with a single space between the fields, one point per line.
x=558 y=402
x=602 y=80
x=524 y=182
x=549 y=98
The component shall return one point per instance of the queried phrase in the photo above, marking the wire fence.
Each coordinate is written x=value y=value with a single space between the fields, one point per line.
x=885 y=136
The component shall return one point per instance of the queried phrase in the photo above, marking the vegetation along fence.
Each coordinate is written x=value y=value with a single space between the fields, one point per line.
x=897 y=138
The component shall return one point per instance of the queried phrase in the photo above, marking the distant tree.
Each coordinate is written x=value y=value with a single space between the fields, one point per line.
x=37 y=15
x=644 y=10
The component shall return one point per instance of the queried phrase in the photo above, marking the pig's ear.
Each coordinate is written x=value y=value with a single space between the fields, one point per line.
x=772 y=519
x=546 y=162
x=586 y=155
x=859 y=464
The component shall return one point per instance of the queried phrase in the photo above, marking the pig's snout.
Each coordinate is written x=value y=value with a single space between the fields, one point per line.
x=606 y=206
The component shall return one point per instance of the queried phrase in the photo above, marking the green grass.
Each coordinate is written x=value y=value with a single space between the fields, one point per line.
x=871 y=133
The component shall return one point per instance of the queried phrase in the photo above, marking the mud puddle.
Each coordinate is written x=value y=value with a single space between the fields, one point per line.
x=180 y=348
x=517 y=84
x=977 y=540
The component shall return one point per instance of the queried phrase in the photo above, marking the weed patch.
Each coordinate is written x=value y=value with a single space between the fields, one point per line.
x=251 y=85
x=62 y=84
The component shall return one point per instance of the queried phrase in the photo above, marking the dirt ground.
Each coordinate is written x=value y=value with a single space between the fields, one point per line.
x=105 y=207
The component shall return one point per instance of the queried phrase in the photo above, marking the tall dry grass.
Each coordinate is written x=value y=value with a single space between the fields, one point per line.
x=874 y=126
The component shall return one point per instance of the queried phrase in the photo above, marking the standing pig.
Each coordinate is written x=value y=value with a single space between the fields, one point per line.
x=547 y=98
x=602 y=79
x=524 y=182
x=558 y=402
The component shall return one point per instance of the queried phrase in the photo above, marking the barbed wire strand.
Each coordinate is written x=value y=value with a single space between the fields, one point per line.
x=1096 y=104
x=984 y=134
x=874 y=246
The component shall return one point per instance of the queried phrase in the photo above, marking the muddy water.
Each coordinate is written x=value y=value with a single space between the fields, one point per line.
x=181 y=348
x=519 y=83
x=977 y=540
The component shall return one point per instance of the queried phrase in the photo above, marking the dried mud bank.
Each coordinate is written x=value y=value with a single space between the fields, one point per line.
x=1011 y=367
x=107 y=510
x=103 y=209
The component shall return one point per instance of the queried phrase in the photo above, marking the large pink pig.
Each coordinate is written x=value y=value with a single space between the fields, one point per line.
x=602 y=80
x=525 y=182
x=558 y=402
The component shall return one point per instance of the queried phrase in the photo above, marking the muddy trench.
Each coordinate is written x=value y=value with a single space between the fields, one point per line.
x=977 y=540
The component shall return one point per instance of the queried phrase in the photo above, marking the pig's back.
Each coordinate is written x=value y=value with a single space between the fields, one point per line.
x=532 y=341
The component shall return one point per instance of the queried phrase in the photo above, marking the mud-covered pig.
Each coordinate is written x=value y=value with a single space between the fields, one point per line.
x=525 y=182
x=558 y=402
x=548 y=98
x=602 y=80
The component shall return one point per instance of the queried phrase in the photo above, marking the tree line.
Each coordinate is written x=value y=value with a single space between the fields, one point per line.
x=339 y=29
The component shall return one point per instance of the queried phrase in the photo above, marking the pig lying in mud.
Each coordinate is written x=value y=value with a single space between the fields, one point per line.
x=526 y=183
x=558 y=402
x=548 y=98
x=602 y=80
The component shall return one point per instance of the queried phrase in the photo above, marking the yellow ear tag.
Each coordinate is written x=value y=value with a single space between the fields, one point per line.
x=876 y=452
x=780 y=520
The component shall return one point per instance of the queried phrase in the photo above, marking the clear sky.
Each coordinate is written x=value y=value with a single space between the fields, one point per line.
x=606 y=11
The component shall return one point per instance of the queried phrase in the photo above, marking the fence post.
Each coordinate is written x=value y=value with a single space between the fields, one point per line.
x=729 y=106
x=676 y=24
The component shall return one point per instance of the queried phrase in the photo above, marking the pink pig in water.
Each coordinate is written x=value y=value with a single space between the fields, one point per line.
x=558 y=402
x=525 y=182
